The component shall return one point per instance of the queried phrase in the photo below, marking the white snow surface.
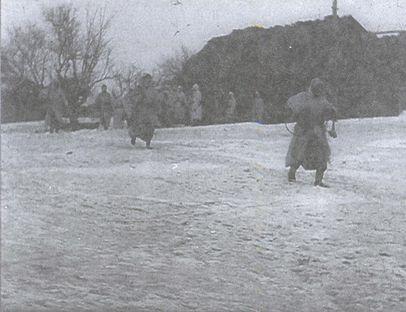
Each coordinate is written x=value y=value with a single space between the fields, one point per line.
x=205 y=221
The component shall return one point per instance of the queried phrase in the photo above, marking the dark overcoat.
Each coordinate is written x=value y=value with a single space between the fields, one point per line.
x=309 y=147
x=144 y=117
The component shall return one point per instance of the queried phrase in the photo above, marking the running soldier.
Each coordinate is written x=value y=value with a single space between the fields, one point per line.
x=144 y=112
x=309 y=147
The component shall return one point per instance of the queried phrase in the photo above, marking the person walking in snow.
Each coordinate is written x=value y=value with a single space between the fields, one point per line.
x=196 y=111
x=144 y=111
x=104 y=104
x=309 y=147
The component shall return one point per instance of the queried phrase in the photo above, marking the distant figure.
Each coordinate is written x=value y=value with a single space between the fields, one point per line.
x=144 y=112
x=104 y=104
x=118 y=114
x=127 y=104
x=258 y=110
x=213 y=111
x=169 y=102
x=164 y=113
x=309 y=146
x=231 y=107
x=43 y=96
x=196 y=111
x=179 y=109
x=56 y=105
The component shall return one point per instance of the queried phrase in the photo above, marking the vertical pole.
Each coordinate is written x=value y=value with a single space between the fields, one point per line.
x=334 y=8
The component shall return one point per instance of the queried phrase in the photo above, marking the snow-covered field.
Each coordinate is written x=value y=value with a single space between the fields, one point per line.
x=206 y=221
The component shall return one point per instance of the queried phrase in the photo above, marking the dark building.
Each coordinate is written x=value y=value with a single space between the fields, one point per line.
x=359 y=67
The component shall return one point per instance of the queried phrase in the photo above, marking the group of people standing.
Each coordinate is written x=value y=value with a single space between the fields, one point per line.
x=179 y=109
x=258 y=112
x=229 y=110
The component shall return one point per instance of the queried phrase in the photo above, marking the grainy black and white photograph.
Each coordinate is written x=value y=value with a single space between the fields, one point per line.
x=203 y=155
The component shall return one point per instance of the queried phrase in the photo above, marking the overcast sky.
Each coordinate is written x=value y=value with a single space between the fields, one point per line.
x=144 y=30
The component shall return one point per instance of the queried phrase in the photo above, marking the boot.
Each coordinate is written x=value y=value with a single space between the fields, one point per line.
x=148 y=144
x=133 y=140
x=319 y=179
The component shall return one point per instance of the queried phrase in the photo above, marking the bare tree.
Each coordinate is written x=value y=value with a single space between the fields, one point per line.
x=26 y=55
x=96 y=52
x=81 y=53
x=126 y=77
x=170 y=71
x=25 y=70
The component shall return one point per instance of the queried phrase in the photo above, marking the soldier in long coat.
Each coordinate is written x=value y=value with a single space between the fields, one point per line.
x=127 y=103
x=196 y=110
x=164 y=112
x=179 y=109
x=144 y=113
x=118 y=107
x=104 y=103
x=56 y=104
x=309 y=147
x=258 y=110
x=231 y=107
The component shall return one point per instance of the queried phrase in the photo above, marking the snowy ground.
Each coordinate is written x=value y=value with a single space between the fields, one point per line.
x=206 y=221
